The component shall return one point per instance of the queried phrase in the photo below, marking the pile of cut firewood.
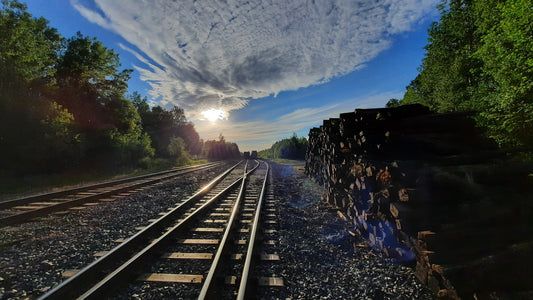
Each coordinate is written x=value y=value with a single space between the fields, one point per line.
x=373 y=163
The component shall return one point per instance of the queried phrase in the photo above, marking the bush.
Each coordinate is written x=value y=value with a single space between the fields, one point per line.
x=291 y=148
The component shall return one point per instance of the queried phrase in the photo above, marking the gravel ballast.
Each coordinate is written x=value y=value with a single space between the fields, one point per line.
x=34 y=255
x=319 y=258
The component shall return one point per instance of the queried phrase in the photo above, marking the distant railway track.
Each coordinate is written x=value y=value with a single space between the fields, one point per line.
x=24 y=209
x=204 y=246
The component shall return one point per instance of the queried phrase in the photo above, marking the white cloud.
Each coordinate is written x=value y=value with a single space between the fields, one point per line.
x=221 y=54
x=259 y=134
x=90 y=15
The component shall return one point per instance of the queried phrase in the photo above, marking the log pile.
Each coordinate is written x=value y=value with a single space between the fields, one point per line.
x=398 y=175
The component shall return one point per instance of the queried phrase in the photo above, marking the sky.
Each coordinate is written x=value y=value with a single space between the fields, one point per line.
x=268 y=68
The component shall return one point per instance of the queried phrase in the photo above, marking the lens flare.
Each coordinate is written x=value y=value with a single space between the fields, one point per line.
x=213 y=114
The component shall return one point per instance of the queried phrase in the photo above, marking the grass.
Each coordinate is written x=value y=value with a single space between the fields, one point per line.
x=16 y=186
x=285 y=161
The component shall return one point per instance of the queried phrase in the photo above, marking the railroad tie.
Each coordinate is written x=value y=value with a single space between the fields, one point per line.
x=100 y=253
x=269 y=257
x=176 y=278
x=199 y=241
x=43 y=203
x=70 y=272
x=28 y=207
x=207 y=229
x=270 y=281
x=183 y=255
x=231 y=280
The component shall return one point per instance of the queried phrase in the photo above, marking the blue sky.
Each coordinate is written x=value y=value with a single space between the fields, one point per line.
x=276 y=67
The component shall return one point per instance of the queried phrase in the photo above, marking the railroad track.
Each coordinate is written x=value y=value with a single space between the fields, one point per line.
x=24 y=209
x=203 y=248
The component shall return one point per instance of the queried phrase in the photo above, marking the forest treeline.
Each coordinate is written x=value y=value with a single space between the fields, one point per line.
x=479 y=58
x=64 y=104
x=290 y=148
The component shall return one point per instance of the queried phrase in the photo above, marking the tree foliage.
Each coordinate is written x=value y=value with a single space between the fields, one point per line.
x=506 y=49
x=91 y=86
x=35 y=130
x=220 y=149
x=63 y=103
x=480 y=58
x=393 y=103
x=163 y=125
x=290 y=148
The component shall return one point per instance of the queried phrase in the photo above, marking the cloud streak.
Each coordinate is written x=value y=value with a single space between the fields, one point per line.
x=221 y=54
x=259 y=134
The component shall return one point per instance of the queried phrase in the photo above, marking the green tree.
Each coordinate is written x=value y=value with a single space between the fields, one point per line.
x=449 y=72
x=480 y=58
x=291 y=148
x=393 y=103
x=36 y=133
x=140 y=103
x=507 y=53
x=163 y=125
x=28 y=48
x=176 y=147
x=92 y=88
x=90 y=82
x=188 y=133
x=220 y=149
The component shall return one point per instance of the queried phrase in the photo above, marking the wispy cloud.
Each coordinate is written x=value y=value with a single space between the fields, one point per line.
x=221 y=54
x=260 y=134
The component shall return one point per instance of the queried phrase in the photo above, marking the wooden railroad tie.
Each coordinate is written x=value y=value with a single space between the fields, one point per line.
x=176 y=278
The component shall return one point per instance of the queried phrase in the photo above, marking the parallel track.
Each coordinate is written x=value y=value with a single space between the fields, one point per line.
x=188 y=242
x=44 y=204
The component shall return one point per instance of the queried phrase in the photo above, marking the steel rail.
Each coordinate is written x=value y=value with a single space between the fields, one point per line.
x=94 y=272
x=25 y=216
x=241 y=295
x=25 y=200
x=128 y=270
x=209 y=283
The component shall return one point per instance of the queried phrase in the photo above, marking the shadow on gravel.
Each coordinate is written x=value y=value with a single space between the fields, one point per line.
x=320 y=259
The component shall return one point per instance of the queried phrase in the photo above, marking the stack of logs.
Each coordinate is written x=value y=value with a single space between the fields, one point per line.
x=374 y=163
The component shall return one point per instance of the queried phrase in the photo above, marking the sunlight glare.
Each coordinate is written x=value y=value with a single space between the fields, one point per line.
x=213 y=114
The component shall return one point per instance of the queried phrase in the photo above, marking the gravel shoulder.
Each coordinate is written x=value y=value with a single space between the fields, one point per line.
x=34 y=255
x=321 y=259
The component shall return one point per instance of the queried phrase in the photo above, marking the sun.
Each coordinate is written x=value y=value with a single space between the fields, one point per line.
x=213 y=114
